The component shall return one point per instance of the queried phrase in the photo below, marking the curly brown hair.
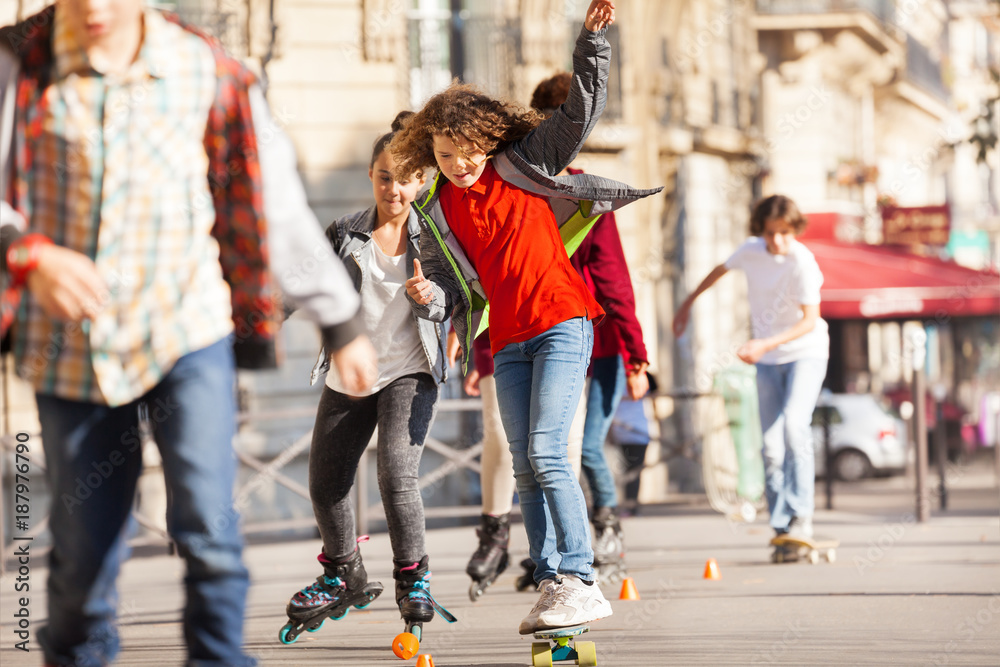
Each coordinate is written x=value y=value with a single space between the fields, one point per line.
x=460 y=112
x=380 y=144
x=773 y=208
x=552 y=92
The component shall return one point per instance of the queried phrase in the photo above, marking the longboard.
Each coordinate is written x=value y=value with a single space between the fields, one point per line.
x=811 y=549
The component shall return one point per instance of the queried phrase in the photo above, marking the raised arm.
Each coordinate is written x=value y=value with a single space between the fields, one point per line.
x=553 y=145
x=684 y=312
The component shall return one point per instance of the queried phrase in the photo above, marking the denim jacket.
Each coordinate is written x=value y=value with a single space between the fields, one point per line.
x=351 y=238
x=532 y=164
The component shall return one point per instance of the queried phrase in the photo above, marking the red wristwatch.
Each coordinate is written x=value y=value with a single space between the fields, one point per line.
x=22 y=257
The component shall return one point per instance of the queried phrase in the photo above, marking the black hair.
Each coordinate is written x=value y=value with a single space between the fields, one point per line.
x=398 y=123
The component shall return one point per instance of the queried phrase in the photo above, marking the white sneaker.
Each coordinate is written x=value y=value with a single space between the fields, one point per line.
x=530 y=623
x=573 y=603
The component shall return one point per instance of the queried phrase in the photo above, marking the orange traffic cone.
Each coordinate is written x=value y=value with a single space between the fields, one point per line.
x=629 y=591
x=712 y=569
x=425 y=660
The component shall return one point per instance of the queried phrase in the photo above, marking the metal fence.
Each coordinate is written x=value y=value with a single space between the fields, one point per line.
x=883 y=10
x=708 y=444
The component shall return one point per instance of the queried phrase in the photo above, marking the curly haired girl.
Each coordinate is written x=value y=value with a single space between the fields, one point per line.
x=497 y=216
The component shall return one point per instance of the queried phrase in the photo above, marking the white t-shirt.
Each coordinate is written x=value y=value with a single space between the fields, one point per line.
x=388 y=322
x=778 y=286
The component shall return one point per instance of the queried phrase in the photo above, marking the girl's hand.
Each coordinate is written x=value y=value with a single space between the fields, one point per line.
x=418 y=287
x=600 y=14
x=753 y=350
x=471 y=384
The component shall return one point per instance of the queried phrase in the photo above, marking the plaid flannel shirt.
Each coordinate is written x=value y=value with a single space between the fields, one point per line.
x=115 y=168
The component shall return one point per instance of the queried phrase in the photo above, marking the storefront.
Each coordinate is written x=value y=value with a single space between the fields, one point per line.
x=872 y=295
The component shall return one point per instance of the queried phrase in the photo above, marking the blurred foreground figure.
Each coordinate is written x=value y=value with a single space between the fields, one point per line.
x=145 y=219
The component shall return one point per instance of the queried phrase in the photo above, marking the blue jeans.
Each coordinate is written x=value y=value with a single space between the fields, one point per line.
x=607 y=385
x=94 y=456
x=539 y=383
x=787 y=395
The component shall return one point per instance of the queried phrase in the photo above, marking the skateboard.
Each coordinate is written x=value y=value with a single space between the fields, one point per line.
x=581 y=653
x=789 y=549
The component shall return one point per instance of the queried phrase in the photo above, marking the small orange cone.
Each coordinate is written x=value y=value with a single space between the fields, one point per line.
x=425 y=660
x=629 y=591
x=712 y=570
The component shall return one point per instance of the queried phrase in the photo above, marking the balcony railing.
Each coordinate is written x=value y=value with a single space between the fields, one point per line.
x=883 y=10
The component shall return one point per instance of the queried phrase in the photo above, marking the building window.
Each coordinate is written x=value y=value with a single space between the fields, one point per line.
x=212 y=17
x=475 y=42
x=468 y=40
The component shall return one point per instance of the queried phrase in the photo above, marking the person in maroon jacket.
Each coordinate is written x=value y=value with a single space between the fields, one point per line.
x=618 y=363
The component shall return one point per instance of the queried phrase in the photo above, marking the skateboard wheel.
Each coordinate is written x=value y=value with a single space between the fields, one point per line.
x=813 y=556
x=586 y=653
x=541 y=654
x=831 y=556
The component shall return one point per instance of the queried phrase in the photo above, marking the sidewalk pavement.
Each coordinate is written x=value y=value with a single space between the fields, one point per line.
x=899 y=592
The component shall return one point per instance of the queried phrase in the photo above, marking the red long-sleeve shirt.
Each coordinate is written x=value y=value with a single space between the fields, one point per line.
x=512 y=240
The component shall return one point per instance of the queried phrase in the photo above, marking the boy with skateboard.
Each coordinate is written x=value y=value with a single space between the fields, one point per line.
x=790 y=348
x=492 y=234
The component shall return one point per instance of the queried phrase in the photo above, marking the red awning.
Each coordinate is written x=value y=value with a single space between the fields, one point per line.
x=879 y=282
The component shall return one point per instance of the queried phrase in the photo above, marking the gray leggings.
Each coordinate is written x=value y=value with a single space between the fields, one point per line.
x=403 y=411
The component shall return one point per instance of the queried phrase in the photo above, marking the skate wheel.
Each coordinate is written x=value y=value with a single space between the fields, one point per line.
x=415 y=629
x=339 y=616
x=541 y=654
x=288 y=634
x=475 y=591
x=586 y=654
x=831 y=555
x=813 y=556
x=316 y=626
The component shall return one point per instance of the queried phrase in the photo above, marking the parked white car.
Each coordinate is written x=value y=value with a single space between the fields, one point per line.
x=865 y=438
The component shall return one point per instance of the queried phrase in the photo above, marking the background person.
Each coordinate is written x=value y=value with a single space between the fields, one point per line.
x=790 y=348
x=495 y=237
x=379 y=246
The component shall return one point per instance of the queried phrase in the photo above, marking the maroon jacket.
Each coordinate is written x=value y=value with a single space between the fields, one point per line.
x=601 y=261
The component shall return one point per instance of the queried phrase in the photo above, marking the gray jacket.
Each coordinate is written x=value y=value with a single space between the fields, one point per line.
x=351 y=238
x=532 y=164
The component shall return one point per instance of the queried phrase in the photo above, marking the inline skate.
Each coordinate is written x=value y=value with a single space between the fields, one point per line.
x=343 y=584
x=609 y=546
x=413 y=595
x=490 y=558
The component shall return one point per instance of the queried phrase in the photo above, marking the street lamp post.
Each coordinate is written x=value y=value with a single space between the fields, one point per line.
x=916 y=342
x=939 y=391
